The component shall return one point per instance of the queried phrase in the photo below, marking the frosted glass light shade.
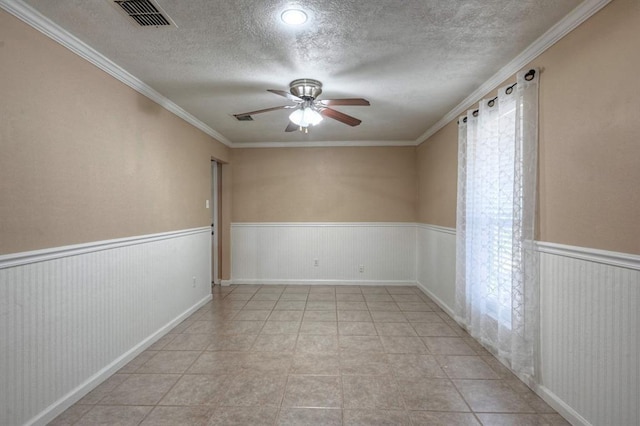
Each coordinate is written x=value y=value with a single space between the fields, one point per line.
x=305 y=117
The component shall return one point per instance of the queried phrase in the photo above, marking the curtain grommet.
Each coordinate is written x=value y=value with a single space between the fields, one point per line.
x=530 y=75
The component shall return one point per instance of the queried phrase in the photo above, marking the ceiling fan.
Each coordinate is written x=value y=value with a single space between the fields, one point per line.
x=308 y=111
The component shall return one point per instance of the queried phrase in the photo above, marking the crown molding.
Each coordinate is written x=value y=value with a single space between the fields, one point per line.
x=35 y=19
x=577 y=16
x=302 y=144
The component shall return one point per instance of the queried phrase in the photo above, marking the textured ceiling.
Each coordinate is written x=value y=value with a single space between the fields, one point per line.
x=414 y=60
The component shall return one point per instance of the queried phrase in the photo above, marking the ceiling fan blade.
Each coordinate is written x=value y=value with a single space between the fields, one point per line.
x=292 y=127
x=350 y=101
x=244 y=114
x=286 y=95
x=337 y=115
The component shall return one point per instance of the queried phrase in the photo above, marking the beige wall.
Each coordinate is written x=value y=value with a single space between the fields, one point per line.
x=343 y=184
x=73 y=137
x=589 y=166
x=437 y=177
x=589 y=139
x=84 y=157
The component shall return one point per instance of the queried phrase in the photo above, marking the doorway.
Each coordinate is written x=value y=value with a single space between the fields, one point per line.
x=216 y=178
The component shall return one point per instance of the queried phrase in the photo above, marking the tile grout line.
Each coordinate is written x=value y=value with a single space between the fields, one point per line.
x=390 y=332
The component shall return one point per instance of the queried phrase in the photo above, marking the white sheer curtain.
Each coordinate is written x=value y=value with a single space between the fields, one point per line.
x=496 y=276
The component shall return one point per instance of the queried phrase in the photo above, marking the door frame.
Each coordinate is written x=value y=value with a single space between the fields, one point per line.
x=215 y=222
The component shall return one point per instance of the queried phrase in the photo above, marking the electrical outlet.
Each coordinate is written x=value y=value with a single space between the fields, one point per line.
x=194 y=282
x=315 y=262
x=361 y=268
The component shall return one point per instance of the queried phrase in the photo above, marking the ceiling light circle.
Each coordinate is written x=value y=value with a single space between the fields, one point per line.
x=294 y=17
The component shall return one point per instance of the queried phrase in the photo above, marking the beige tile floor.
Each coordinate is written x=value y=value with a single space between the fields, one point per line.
x=320 y=355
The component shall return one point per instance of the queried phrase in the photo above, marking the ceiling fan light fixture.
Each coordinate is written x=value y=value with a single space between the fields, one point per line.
x=311 y=116
x=294 y=17
x=308 y=111
x=305 y=117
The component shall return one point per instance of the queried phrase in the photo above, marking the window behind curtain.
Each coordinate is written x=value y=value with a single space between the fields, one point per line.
x=496 y=278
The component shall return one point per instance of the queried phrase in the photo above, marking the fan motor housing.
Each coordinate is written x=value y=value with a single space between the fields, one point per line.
x=305 y=88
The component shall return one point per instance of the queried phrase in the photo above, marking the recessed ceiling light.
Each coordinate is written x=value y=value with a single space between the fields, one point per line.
x=294 y=17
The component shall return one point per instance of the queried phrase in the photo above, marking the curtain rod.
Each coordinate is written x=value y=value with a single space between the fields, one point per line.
x=528 y=76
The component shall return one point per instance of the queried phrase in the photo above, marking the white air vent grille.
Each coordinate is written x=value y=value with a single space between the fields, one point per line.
x=144 y=12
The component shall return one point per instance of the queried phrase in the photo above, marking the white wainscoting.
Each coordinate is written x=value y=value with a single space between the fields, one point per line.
x=284 y=253
x=71 y=316
x=436 y=264
x=590 y=324
x=590 y=334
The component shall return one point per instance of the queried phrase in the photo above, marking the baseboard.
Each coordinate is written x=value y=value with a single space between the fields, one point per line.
x=560 y=406
x=76 y=394
x=549 y=397
x=323 y=282
x=436 y=299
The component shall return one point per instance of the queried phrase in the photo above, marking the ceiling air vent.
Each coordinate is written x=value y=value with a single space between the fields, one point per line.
x=145 y=12
x=243 y=117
